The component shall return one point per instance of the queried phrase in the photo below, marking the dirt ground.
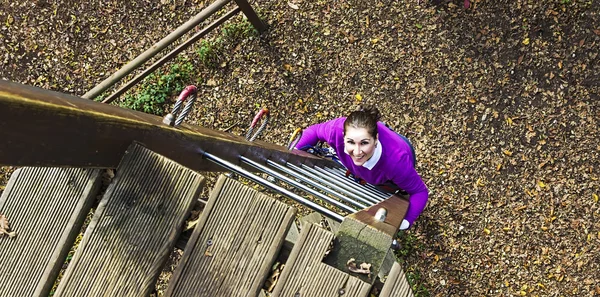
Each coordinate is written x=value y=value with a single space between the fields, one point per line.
x=501 y=101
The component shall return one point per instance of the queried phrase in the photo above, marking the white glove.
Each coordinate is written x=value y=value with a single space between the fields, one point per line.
x=405 y=224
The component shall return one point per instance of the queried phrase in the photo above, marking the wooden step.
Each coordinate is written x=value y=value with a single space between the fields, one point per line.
x=396 y=284
x=234 y=245
x=46 y=208
x=134 y=227
x=305 y=275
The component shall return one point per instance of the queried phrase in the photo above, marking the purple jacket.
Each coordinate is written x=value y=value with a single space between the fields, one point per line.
x=395 y=164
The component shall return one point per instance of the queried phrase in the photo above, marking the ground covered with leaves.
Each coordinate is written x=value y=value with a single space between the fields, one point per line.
x=501 y=101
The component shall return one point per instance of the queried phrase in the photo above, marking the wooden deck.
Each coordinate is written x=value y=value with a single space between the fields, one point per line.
x=134 y=228
x=46 y=208
x=237 y=240
x=234 y=245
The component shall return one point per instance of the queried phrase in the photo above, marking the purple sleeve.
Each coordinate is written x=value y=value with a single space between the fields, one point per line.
x=407 y=178
x=316 y=133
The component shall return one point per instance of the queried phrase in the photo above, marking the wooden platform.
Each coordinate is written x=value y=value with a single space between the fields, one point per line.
x=396 y=284
x=133 y=229
x=305 y=275
x=234 y=244
x=46 y=208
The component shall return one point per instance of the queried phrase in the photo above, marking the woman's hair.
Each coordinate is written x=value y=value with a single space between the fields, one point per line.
x=364 y=117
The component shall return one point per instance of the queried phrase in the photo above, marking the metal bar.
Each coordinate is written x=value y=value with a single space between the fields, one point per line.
x=315 y=184
x=153 y=50
x=332 y=187
x=46 y=128
x=263 y=182
x=258 y=24
x=367 y=187
x=352 y=184
x=298 y=185
x=339 y=182
x=382 y=193
x=170 y=55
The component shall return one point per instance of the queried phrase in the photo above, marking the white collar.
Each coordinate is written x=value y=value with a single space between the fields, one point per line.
x=374 y=159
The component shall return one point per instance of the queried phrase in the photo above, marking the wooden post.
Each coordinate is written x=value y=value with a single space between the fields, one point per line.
x=258 y=24
x=366 y=239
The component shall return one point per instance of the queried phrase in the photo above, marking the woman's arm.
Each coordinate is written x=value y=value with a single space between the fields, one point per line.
x=315 y=133
x=407 y=178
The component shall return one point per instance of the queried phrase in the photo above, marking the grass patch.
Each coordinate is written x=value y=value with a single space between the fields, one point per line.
x=155 y=90
x=416 y=283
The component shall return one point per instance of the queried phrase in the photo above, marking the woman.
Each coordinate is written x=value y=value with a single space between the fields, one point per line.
x=373 y=152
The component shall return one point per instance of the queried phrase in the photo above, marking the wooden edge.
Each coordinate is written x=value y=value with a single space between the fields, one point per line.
x=174 y=233
x=98 y=214
x=396 y=211
x=391 y=280
x=285 y=274
x=11 y=183
x=196 y=234
x=68 y=238
x=274 y=249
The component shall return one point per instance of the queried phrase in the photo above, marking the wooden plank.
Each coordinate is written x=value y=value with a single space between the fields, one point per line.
x=46 y=207
x=234 y=244
x=306 y=275
x=396 y=284
x=134 y=227
x=77 y=132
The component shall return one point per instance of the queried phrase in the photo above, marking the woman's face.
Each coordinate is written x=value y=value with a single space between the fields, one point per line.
x=359 y=144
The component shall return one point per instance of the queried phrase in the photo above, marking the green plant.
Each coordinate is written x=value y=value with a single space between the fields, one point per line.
x=209 y=50
x=156 y=89
x=409 y=243
x=416 y=283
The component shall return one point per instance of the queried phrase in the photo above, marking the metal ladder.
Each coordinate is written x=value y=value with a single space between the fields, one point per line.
x=328 y=185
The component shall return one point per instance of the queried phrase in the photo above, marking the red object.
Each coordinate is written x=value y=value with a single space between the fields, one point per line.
x=259 y=115
x=467 y=4
x=191 y=89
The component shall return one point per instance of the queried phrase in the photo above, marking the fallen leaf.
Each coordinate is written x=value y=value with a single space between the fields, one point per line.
x=507 y=152
x=363 y=269
x=293 y=6
x=487 y=231
x=597 y=32
x=526 y=41
x=595 y=197
x=5 y=227
x=358 y=97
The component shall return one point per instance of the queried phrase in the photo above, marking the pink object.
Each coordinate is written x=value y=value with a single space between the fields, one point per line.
x=191 y=89
x=467 y=4
x=259 y=115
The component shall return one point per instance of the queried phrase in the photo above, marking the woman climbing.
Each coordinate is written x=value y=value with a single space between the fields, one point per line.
x=374 y=153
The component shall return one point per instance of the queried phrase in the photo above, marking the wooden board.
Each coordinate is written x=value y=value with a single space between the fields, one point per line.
x=134 y=228
x=234 y=244
x=46 y=208
x=396 y=284
x=305 y=275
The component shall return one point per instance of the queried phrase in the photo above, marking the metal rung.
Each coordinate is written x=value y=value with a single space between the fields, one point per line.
x=315 y=184
x=355 y=185
x=368 y=187
x=331 y=185
x=263 y=182
x=298 y=185
x=341 y=182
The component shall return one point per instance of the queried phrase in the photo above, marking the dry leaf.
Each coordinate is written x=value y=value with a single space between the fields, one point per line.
x=5 y=227
x=526 y=41
x=293 y=6
x=363 y=269
x=597 y=32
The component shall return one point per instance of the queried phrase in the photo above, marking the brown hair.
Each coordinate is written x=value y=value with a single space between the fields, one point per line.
x=364 y=117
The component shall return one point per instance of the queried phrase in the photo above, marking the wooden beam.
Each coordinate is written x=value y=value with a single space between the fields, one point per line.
x=45 y=128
